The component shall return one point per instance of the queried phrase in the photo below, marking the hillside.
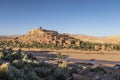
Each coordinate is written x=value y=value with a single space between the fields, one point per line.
x=94 y=39
x=53 y=37
x=50 y=36
x=50 y=39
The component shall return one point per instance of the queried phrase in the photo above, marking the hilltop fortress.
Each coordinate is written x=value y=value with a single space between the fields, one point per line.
x=49 y=37
x=39 y=38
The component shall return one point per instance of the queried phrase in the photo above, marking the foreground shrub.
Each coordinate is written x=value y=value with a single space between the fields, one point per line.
x=1 y=55
x=3 y=71
x=60 y=74
x=24 y=66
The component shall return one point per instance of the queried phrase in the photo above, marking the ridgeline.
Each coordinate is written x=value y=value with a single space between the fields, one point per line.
x=49 y=39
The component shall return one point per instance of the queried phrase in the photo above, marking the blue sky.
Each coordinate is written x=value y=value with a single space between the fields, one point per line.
x=88 y=17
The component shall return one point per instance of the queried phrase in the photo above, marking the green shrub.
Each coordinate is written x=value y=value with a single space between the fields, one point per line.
x=60 y=74
x=1 y=55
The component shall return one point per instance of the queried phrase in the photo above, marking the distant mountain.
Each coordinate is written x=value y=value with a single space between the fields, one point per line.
x=117 y=37
x=10 y=35
x=109 y=39
x=53 y=37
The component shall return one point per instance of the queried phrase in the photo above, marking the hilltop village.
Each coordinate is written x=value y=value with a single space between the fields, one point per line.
x=42 y=38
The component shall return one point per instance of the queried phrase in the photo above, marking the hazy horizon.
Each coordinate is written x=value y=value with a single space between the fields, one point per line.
x=86 y=17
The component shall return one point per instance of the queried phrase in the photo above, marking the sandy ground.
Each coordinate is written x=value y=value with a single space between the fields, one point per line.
x=78 y=54
x=107 y=58
x=97 y=56
x=113 y=56
x=100 y=57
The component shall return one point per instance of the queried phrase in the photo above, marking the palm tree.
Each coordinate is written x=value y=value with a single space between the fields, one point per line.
x=59 y=57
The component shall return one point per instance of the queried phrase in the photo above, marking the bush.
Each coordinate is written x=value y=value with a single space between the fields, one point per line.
x=41 y=72
x=17 y=64
x=24 y=67
x=60 y=74
x=1 y=55
x=3 y=71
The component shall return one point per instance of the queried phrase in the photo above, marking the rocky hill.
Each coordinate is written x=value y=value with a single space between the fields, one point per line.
x=53 y=37
x=49 y=37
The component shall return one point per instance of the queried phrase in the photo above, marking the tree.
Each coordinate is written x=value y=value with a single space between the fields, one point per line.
x=1 y=55
x=59 y=57
x=103 y=48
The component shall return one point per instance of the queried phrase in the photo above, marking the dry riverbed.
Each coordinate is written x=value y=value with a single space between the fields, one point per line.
x=99 y=57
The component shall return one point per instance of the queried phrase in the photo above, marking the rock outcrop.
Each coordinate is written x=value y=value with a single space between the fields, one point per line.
x=49 y=37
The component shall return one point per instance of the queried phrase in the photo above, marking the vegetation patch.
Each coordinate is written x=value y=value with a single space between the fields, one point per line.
x=17 y=65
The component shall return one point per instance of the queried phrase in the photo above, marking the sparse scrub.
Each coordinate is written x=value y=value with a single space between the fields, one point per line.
x=22 y=66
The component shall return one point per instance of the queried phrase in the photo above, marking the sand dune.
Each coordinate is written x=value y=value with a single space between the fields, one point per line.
x=107 y=39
